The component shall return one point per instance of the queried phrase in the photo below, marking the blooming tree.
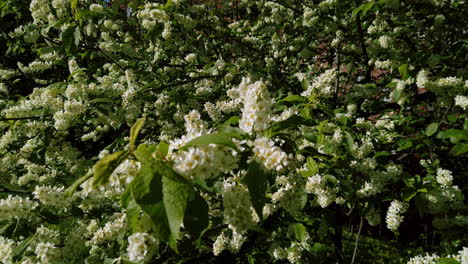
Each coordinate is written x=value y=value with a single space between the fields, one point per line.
x=241 y=131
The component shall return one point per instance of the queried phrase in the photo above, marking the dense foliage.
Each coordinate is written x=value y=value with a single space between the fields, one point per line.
x=233 y=131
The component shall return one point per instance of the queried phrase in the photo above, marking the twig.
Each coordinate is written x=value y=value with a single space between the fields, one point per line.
x=363 y=44
x=357 y=240
x=337 y=80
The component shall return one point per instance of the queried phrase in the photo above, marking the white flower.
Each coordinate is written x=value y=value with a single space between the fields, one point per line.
x=444 y=177
x=461 y=101
x=394 y=214
x=141 y=247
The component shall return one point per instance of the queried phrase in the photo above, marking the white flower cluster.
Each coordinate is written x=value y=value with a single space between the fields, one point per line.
x=222 y=243
x=52 y=196
x=110 y=230
x=395 y=214
x=151 y=15
x=40 y=11
x=361 y=151
x=461 y=101
x=41 y=98
x=317 y=185
x=322 y=85
x=6 y=250
x=141 y=247
x=238 y=211
x=35 y=66
x=16 y=207
x=461 y=257
x=271 y=156
x=290 y=194
x=444 y=177
x=47 y=252
x=421 y=79
x=201 y=161
x=257 y=106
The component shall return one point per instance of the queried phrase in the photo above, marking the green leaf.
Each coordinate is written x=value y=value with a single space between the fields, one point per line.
x=162 y=149
x=291 y=123
x=4 y=225
x=138 y=222
x=408 y=194
x=224 y=139
x=452 y=118
x=447 y=261
x=381 y=154
x=134 y=132
x=144 y=153
x=21 y=248
x=431 y=129
x=146 y=188
x=196 y=215
x=457 y=134
x=403 y=70
x=73 y=4
x=458 y=149
x=72 y=189
x=300 y=232
x=256 y=181
x=292 y=98
x=67 y=38
x=77 y=36
x=175 y=197
x=362 y=8
x=104 y=168
x=312 y=165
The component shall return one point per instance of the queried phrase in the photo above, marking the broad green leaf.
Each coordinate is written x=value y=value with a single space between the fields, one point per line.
x=146 y=189
x=256 y=181
x=349 y=141
x=312 y=165
x=224 y=139
x=291 y=123
x=4 y=226
x=292 y=98
x=21 y=247
x=458 y=149
x=175 y=197
x=137 y=221
x=104 y=168
x=403 y=70
x=362 y=9
x=300 y=232
x=144 y=153
x=134 y=132
x=408 y=194
x=77 y=36
x=196 y=215
x=431 y=129
x=453 y=133
x=452 y=118
x=126 y=197
x=73 y=4
x=447 y=261
x=67 y=38
x=72 y=189
x=162 y=149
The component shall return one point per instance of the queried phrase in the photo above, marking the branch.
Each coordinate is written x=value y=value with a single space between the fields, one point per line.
x=363 y=44
x=357 y=241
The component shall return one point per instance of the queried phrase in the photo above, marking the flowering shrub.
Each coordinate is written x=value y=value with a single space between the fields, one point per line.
x=236 y=131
